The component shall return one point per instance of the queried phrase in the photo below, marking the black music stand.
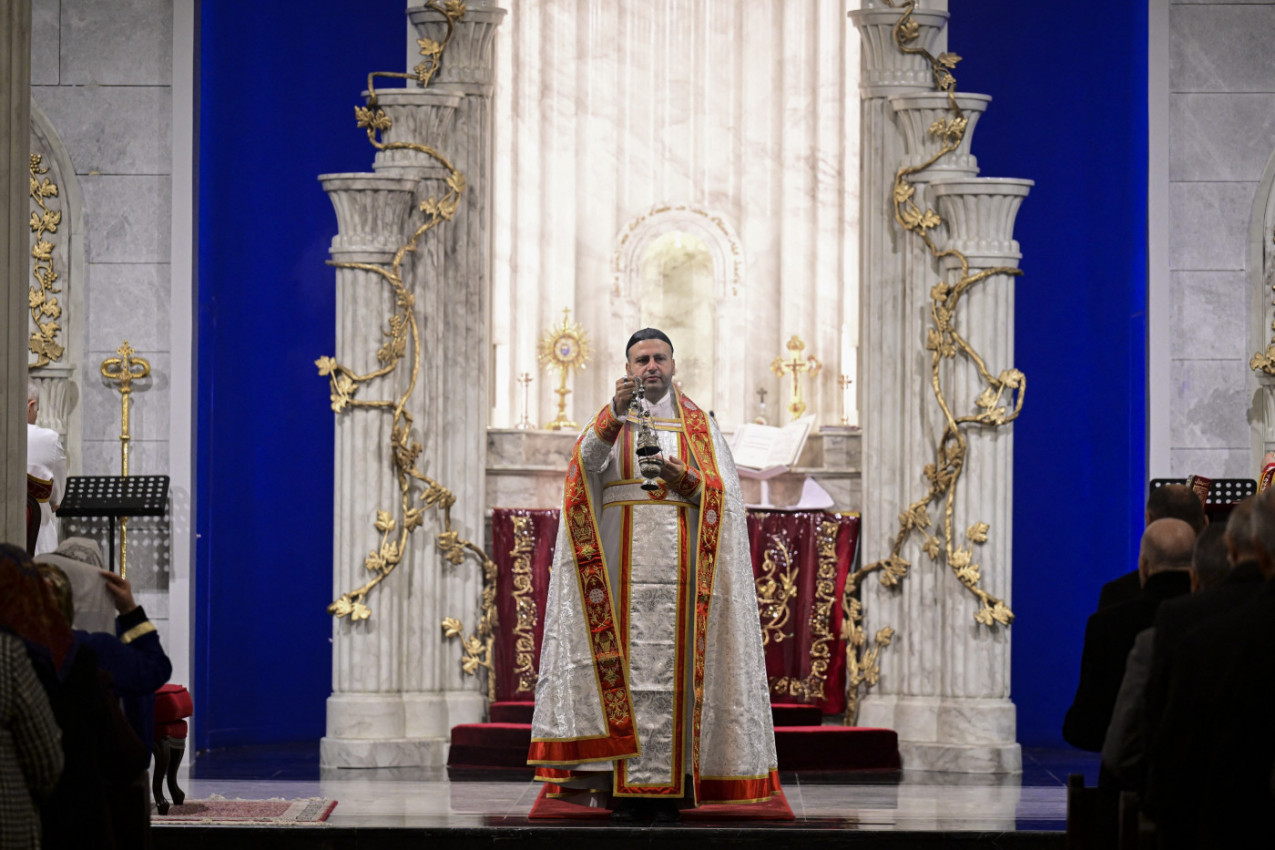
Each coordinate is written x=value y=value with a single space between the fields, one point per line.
x=115 y=496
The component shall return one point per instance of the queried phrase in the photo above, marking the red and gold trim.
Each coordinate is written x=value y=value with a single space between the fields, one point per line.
x=687 y=484
x=606 y=425
x=699 y=438
x=39 y=489
x=609 y=666
x=738 y=790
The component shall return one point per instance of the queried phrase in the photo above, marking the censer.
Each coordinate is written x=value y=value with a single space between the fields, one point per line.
x=648 y=445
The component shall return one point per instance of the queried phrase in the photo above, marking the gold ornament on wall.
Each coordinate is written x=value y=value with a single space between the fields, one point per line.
x=1264 y=361
x=564 y=347
x=42 y=296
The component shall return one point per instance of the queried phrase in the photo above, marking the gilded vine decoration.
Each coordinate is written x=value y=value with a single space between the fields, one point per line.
x=1264 y=361
x=775 y=590
x=524 y=607
x=1000 y=402
x=42 y=296
x=418 y=492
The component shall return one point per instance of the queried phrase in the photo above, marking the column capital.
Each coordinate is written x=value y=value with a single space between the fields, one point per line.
x=917 y=112
x=423 y=116
x=980 y=213
x=886 y=69
x=371 y=211
x=469 y=65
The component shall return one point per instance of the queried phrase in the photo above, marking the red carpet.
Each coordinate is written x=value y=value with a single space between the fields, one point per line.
x=577 y=806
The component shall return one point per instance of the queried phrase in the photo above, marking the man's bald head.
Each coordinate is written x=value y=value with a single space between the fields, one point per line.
x=1176 y=501
x=1239 y=532
x=1264 y=531
x=1166 y=545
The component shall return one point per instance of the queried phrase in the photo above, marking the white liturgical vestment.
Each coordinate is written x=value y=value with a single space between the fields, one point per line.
x=652 y=655
x=46 y=461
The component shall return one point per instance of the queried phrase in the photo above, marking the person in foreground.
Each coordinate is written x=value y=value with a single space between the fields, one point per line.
x=652 y=665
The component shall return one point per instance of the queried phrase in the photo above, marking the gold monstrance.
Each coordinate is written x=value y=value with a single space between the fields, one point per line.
x=124 y=370
x=795 y=366
x=565 y=347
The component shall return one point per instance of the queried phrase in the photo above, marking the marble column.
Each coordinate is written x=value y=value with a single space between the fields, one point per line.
x=892 y=369
x=398 y=687
x=15 y=250
x=944 y=685
x=365 y=715
x=976 y=719
x=461 y=321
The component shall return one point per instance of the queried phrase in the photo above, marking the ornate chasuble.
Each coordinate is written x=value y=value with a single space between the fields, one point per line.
x=649 y=656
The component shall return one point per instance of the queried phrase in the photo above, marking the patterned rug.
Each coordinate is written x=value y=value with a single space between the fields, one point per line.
x=219 y=810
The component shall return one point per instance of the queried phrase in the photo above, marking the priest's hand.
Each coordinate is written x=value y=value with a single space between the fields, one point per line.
x=673 y=469
x=623 y=395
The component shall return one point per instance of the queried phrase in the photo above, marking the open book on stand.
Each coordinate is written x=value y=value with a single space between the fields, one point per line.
x=764 y=451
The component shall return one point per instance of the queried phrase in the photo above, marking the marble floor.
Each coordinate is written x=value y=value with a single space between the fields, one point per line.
x=1031 y=803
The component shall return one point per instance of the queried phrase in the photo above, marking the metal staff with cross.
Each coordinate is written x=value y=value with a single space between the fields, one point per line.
x=124 y=370
x=794 y=367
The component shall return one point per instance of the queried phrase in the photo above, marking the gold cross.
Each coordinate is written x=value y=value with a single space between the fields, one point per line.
x=124 y=370
x=795 y=367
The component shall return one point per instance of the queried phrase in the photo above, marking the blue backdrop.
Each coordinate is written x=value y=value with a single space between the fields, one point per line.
x=1069 y=110
x=277 y=86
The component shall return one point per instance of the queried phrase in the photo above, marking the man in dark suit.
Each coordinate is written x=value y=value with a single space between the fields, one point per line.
x=1172 y=501
x=1212 y=597
x=1213 y=752
x=1163 y=564
x=1127 y=735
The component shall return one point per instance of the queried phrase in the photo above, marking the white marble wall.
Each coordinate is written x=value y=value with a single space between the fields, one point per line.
x=744 y=113
x=1221 y=132
x=101 y=80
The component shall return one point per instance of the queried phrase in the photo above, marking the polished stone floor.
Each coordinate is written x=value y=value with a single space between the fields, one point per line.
x=1031 y=803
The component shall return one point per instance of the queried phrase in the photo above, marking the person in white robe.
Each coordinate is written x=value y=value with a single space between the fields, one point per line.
x=652 y=664
x=46 y=462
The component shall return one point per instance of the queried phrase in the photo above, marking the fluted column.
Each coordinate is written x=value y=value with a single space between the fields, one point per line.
x=977 y=720
x=455 y=400
x=365 y=715
x=15 y=149
x=911 y=700
x=893 y=374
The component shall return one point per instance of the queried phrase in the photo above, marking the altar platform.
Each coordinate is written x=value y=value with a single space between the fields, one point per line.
x=390 y=808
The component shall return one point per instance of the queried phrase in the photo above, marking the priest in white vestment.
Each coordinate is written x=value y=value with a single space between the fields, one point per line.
x=46 y=462
x=651 y=665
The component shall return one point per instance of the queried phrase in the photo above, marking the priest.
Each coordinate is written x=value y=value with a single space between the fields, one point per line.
x=651 y=666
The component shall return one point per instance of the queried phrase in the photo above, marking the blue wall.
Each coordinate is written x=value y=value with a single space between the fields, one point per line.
x=1069 y=107
x=278 y=84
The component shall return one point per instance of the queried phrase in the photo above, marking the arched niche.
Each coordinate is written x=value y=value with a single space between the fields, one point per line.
x=59 y=381
x=714 y=372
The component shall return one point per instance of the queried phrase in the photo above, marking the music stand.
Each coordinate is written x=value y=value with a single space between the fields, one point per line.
x=115 y=496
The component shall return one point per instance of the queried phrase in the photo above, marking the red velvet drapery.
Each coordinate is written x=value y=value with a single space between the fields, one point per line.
x=800 y=561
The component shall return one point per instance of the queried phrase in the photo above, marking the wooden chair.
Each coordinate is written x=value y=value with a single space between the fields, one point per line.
x=172 y=706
